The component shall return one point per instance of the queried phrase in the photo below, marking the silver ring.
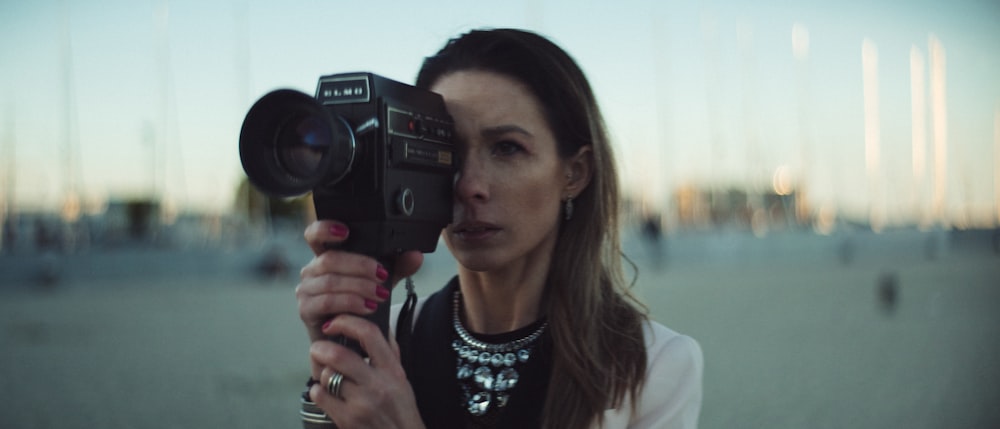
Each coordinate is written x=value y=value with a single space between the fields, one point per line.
x=333 y=386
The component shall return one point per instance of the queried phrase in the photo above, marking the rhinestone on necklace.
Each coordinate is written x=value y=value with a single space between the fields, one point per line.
x=486 y=371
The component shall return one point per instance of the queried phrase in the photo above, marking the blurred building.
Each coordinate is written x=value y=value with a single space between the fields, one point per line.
x=698 y=208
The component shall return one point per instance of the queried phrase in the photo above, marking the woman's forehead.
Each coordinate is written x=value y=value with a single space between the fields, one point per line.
x=486 y=100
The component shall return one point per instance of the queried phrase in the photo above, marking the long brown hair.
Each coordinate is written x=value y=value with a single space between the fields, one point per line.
x=599 y=354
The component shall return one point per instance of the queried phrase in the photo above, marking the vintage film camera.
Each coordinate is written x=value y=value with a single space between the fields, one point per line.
x=376 y=154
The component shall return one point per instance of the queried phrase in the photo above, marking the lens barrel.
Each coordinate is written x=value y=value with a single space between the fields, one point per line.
x=290 y=144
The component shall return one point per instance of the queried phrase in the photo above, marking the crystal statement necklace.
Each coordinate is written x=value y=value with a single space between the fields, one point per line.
x=488 y=372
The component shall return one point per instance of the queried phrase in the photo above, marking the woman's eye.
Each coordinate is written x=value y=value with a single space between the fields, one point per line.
x=506 y=147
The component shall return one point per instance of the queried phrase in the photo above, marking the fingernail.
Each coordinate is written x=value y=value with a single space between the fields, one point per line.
x=371 y=304
x=338 y=230
x=381 y=274
x=327 y=324
x=382 y=292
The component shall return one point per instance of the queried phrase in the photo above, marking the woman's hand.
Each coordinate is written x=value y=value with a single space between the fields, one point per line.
x=338 y=282
x=373 y=394
x=336 y=288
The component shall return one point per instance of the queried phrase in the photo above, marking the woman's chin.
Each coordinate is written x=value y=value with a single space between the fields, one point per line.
x=478 y=261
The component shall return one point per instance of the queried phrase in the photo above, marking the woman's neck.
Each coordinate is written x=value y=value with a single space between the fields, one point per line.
x=497 y=302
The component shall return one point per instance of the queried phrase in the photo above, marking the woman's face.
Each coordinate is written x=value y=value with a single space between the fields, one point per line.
x=511 y=181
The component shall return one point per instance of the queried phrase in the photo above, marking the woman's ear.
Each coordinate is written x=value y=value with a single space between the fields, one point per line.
x=579 y=170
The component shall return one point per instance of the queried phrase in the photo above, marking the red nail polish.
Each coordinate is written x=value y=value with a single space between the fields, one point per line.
x=339 y=230
x=381 y=292
x=371 y=304
x=381 y=274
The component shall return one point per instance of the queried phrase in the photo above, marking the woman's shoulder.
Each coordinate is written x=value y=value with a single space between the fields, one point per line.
x=664 y=345
x=672 y=392
x=671 y=396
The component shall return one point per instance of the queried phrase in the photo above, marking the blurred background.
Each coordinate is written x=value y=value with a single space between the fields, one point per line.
x=813 y=193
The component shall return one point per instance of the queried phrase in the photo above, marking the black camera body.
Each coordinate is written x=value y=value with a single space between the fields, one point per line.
x=376 y=154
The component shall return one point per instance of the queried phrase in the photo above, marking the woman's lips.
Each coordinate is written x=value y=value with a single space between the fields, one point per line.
x=475 y=230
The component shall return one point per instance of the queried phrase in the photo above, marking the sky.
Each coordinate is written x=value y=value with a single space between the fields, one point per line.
x=114 y=99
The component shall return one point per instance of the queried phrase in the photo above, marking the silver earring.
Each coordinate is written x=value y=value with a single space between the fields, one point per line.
x=569 y=208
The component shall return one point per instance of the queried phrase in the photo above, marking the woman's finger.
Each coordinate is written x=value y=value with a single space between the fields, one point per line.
x=332 y=405
x=316 y=309
x=340 y=386
x=334 y=357
x=346 y=264
x=336 y=284
x=380 y=353
x=371 y=392
x=325 y=234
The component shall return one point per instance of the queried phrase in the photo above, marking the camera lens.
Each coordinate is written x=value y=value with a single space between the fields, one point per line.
x=290 y=144
x=301 y=145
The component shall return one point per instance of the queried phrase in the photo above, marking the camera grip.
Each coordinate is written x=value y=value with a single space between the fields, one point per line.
x=380 y=317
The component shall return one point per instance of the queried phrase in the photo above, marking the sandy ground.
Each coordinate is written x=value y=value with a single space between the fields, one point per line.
x=793 y=332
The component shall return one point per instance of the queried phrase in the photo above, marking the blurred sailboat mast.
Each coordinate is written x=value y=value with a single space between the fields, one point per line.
x=918 y=111
x=70 y=198
x=172 y=192
x=996 y=163
x=242 y=58
x=7 y=213
x=744 y=36
x=872 y=121
x=713 y=80
x=255 y=208
x=939 y=128
x=754 y=170
x=160 y=135
x=800 y=50
x=664 y=132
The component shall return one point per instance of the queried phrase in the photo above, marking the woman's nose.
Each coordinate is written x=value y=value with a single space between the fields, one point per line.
x=470 y=181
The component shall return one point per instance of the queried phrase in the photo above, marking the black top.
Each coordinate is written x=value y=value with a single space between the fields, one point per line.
x=431 y=368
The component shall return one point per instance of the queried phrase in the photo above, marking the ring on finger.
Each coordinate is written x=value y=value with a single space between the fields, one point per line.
x=333 y=386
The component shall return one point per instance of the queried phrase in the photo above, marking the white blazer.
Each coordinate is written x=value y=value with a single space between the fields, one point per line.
x=671 y=397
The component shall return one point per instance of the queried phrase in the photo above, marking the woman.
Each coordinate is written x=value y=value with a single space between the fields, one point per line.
x=538 y=329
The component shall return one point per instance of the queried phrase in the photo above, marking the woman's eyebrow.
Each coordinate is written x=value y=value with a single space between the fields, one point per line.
x=503 y=129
